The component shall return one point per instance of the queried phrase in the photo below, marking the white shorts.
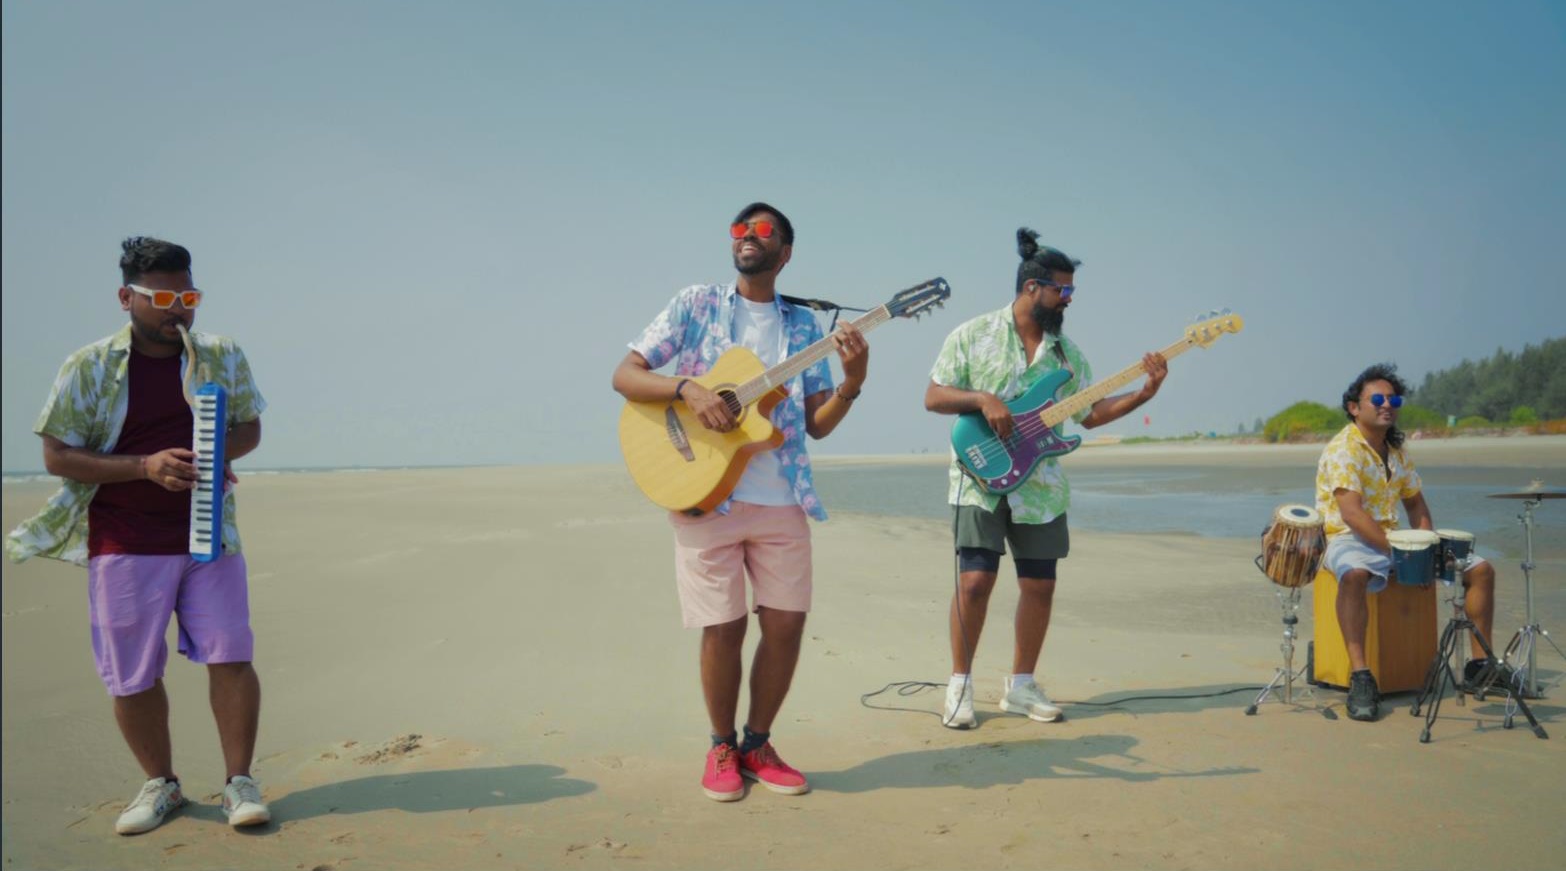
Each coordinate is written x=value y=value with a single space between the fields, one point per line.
x=1349 y=551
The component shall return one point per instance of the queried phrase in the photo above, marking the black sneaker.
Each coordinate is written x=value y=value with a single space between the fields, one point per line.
x=1364 y=698
x=1477 y=673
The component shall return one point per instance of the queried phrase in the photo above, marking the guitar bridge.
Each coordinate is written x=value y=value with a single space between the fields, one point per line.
x=677 y=436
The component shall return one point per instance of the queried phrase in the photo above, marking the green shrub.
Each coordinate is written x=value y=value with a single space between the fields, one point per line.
x=1524 y=415
x=1472 y=421
x=1303 y=418
x=1413 y=417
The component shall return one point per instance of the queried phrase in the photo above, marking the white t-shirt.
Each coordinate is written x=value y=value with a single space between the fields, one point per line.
x=759 y=327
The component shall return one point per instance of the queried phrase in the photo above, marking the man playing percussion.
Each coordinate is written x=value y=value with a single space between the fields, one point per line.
x=1363 y=474
x=118 y=429
x=761 y=530
x=983 y=363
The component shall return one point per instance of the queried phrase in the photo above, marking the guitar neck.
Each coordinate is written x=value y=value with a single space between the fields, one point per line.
x=1058 y=413
x=785 y=371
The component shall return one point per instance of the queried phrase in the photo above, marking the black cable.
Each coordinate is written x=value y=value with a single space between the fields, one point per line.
x=914 y=687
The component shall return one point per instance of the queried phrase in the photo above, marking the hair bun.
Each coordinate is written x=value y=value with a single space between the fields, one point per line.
x=1027 y=243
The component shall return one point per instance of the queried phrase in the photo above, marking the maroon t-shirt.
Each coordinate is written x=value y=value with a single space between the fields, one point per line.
x=141 y=517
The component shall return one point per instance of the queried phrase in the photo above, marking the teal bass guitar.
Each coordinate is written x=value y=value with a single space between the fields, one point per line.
x=1002 y=465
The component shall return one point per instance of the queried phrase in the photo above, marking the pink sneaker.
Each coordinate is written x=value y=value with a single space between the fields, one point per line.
x=763 y=766
x=721 y=781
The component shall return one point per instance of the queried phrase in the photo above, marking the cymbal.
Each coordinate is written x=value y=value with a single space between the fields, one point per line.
x=1541 y=493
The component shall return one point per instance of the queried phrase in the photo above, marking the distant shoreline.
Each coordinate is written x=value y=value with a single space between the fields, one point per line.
x=1543 y=451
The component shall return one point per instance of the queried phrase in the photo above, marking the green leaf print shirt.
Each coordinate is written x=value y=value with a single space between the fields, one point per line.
x=86 y=409
x=986 y=354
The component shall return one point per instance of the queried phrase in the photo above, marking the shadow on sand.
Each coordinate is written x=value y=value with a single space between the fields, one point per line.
x=984 y=765
x=419 y=792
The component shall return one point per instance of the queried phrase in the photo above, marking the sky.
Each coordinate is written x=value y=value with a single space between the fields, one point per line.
x=433 y=228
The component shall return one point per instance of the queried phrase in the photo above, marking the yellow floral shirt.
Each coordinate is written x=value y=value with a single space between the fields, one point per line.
x=1350 y=463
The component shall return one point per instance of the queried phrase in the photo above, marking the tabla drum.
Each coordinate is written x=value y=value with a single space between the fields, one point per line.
x=1292 y=546
x=1414 y=553
x=1456 y=547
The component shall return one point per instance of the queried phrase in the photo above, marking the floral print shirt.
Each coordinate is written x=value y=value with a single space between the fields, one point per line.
x=693 y=331
x=986 y=354
x=86 y=409
x=1350 y=463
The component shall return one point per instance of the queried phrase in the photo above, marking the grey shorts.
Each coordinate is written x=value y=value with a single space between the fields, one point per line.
x=991 y=530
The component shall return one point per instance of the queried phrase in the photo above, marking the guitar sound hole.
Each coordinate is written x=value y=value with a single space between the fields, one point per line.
x=732 y=401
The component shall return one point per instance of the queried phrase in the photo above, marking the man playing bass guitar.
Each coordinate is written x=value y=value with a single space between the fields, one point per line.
x=984 y=363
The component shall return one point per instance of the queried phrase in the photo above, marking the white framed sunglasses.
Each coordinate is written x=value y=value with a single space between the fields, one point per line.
x=165 y=298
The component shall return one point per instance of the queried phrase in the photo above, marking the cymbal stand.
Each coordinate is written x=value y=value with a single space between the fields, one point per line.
x=1440 y=675
x=1525 y=643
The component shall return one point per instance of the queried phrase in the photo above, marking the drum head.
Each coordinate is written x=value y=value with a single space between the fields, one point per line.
x=1297 y=515
x=1412 y=539
x=1455 y=535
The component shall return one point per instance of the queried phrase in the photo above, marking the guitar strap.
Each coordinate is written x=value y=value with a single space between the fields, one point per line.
x=1060 y=355
x=820 y=305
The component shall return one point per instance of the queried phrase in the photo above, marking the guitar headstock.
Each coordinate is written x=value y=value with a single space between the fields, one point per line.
x=919 y=299
x=1216 y=324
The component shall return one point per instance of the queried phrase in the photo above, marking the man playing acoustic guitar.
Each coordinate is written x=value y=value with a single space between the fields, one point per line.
x=984 y=363
x=761 y=528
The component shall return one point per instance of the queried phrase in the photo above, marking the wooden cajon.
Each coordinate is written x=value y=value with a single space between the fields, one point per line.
x=1400 y=637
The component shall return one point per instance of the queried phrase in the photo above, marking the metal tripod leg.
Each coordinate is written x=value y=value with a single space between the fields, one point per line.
x=1525 y=643
x=1286 y=675
x=1440 y=674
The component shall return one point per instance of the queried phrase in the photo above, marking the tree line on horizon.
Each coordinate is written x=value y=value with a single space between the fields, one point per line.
x=1524 y=389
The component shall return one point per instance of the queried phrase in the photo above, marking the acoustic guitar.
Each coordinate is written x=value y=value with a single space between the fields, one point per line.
x=683 y=466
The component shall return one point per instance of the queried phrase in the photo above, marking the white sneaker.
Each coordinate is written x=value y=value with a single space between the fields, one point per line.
x=1029 y=699
x=959 y=706
x=242 y=803
x=146 y=812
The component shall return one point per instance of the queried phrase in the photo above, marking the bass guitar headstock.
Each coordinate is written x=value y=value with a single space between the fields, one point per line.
x=1217 y=323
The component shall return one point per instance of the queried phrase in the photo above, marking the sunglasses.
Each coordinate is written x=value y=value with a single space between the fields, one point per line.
x=741 y=229
x=165 y=298
x=1380 y=399
x=1066 y=290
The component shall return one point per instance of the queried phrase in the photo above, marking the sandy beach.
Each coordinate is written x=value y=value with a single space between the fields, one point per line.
x=483 y=668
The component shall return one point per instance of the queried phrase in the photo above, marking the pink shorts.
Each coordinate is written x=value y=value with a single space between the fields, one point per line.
x=713 y=552
x=131 y=597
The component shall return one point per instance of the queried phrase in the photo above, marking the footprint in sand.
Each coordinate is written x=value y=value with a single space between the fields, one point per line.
x=396 y=748
x=605 y=844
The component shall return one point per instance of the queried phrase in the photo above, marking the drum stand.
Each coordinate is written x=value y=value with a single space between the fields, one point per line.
x=1524 y=643
x=1290 y=600
x=1440 y=674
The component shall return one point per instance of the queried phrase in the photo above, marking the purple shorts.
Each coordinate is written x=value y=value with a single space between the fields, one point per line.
x=131 y=597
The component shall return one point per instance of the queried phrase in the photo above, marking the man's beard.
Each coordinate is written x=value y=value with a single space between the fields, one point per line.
x=1051 y=319
x=154 y=333
x=764 y=263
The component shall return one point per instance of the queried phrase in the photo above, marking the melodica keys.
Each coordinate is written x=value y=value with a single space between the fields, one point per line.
x=206 y=500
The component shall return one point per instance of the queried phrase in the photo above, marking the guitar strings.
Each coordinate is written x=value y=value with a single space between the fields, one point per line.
x=755 y=388
x=1032 y=425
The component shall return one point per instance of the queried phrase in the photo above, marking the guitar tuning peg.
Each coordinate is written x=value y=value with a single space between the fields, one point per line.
x=1226 y=311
